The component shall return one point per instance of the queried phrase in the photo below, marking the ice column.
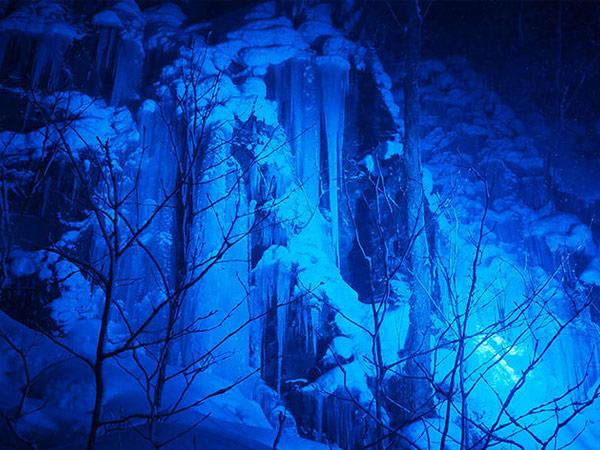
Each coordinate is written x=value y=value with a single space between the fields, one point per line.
x=299 y=100
x=334 y=84
x=311 y=96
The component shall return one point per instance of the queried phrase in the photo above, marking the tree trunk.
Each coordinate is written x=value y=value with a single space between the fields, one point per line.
x=418 y=367
x=100 y=349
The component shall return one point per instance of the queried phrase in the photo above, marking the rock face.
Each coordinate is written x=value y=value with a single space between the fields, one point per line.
x=252 y=175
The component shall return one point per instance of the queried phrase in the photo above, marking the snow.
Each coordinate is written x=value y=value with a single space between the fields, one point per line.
x=348 y=379
x=313 y=29
x=233 y=421
x=341 y=347
x=108 y=19
x=431 y=68
x=265 y=24
x=564 y=231
x=266 y=35
x=342 y=47
x=393 y=148
x=21 y=264
x=255 y=87
x=120 y=48
x=591 y=274
x=260 y=58
x=79 y=299
x=264 y=10
x=165 y=14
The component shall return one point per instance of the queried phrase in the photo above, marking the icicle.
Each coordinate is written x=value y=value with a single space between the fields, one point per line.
x=56 y=63
x=299 y=98
x=40 y=61
x=25 y=51
x=127 y=69
x=281 y=331
x=305 y=324
x=255 y=182
x=48 y=59
x=3 y=44
x=306 y=130
x=334 y=83
x=319 y=415
x=122 y=52
x=273 y=281
x=314 y=314
x=159 y=163
x=104 y=51
x=282 y=297
x=45 y=196
x=26 y=117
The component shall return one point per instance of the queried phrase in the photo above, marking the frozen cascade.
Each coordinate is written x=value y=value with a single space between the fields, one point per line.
x=48 y=58
x=311 y=97
x=157 y=166
x=3 y=44
x=334 y=83
x=274 y=277
x=41 y=32
x=314 y=321
x=120 y=49
x=298 y=98
x=42 y=55
x=219 y=238
x=138 y=298
x=105 y=48
x=282 y=324
x=127 y=70
x=331 y=419
x=159 y=162
x=577 y=349
x=319 y=418
x=269 y=182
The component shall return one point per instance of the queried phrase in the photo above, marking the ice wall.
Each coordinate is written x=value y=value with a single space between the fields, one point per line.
x=33 y=41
